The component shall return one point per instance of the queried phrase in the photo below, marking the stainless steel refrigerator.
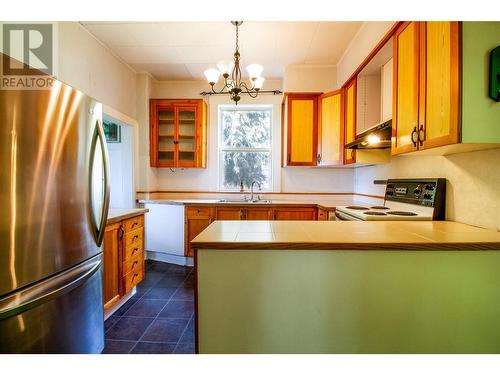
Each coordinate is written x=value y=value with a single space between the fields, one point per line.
x=54 y=199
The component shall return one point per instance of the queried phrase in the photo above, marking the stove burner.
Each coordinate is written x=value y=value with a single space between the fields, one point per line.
x=357 y=208
x=375 y=213
x=379 y=208
x=402 y=213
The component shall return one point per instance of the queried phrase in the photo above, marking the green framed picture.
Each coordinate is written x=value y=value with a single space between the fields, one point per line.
x=112 y=132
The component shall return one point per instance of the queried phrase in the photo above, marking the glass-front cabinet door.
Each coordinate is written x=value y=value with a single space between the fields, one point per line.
x=166 y=135
x=186 y=139
x=178 y=133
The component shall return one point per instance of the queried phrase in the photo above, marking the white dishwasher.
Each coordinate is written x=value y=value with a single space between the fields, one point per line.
x=165 y=233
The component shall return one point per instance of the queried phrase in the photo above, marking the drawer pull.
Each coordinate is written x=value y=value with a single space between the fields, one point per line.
x=135 y=223
x=135 y=262
x=135 y=249
x=136 y=237
x=135 y=275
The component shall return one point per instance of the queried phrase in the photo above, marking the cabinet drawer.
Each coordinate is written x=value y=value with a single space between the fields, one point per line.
x=199 y=212
x=133 y=250
x=133 y=278
x=133 y=223
x=134 y=263
x=133 y=237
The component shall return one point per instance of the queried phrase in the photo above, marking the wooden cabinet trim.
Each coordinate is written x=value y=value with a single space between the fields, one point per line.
x=349 y=155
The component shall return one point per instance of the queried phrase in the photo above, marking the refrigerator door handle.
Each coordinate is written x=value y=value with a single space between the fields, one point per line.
x=99 y=217
x=33 y=296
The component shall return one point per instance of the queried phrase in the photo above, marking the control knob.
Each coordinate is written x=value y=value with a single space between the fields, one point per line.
x=417 y=191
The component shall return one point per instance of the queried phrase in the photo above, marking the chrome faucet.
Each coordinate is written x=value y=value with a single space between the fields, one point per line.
x=251 y=189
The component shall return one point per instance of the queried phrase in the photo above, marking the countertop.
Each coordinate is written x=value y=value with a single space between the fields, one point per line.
x=118 y=214
x=346 y=235
x=327 y=205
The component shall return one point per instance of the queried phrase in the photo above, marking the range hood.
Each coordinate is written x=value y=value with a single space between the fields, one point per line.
x=376 y=137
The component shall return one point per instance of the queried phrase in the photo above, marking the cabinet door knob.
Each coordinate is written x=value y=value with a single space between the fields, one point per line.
x=319 y=158
x=421 y=135
x=414 y=136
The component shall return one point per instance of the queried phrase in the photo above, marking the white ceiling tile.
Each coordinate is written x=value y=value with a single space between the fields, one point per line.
x=167 y=72
x=188 y=48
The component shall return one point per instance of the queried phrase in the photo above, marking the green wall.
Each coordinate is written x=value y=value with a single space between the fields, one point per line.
x=480 y=113
x=308 y=301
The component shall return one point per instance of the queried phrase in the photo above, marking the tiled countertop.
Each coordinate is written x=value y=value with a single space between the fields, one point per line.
x=328 y=205
x=118 y=214
x=346 y=235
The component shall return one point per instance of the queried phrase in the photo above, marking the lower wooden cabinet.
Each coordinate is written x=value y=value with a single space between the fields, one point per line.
x=197 y=218
x=123 y=254
x=111 y=261
x=295 y=213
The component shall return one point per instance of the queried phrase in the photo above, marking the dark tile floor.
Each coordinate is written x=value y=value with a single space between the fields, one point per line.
x=159 y=319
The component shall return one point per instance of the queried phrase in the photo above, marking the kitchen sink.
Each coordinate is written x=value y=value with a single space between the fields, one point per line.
x=244 y=201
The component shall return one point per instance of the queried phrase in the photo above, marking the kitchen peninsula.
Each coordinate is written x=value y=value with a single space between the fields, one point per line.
x=347 y=287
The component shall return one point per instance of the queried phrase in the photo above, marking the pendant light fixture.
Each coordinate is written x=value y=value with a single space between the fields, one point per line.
x=234 y=85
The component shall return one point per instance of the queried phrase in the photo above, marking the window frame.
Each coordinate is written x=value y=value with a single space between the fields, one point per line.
x=221 y=148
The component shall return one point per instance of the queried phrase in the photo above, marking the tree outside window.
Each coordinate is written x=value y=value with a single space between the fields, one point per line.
x=245 y=147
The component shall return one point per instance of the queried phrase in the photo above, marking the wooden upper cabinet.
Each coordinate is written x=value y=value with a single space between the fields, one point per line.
x=406 y=88
x=350 y=120
x=178 y=129
x=426 y=86
x=330 y=128
x=302 y=123
x=439 y=84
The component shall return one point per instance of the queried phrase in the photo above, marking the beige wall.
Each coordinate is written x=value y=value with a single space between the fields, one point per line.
x=87 y=65
x=310 y=78
x=287 y=180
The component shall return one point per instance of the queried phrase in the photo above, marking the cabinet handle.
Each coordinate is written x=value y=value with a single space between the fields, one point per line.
x=121 y=232
x=241 y=214
x=319 y=158
x=421 y=132
x=176 y=142
x=352 y=154
x=135 y=223
x=135 y=249
x=413 y=134
x=135 y=237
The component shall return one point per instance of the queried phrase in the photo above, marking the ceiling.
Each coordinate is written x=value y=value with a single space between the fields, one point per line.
x=183 y=50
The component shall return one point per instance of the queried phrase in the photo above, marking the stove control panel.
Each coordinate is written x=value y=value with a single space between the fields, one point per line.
x=423 y=192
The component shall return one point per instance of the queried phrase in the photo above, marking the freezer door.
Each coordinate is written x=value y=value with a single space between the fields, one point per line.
x=54 y=188
x=63 y=314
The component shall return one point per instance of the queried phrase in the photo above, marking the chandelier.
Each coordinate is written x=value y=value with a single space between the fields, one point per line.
x=234 y=85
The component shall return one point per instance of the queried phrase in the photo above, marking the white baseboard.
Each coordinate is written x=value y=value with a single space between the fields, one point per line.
x=170 y=258
x=122 y=301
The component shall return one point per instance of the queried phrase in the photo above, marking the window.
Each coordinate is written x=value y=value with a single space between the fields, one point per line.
x=245 y=146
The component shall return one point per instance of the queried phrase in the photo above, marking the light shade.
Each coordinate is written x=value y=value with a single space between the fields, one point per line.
x=212 y=75
x=259 y=81
x=254 y=70
x=225 y=67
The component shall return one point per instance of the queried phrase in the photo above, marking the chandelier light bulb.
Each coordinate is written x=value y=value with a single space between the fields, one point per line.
x=225 y=67
x=254 y=70
x=212 y=75
x=258 y=82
